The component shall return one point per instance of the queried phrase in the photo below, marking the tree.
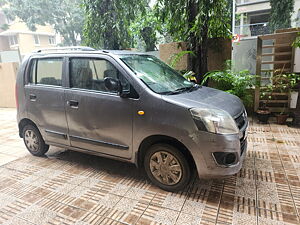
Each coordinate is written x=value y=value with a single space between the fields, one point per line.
x=195 y=21
x=107 y=22
x=65 y=15
x=281 y=12
x=144 y=29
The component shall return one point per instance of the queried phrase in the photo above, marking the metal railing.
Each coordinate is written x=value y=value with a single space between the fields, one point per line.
x=70 y=48
x=249 y=30
x=241 y=2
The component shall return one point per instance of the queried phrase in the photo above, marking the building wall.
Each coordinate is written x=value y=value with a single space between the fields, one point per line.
x=266 y=6
x=44 y=41
x=169 y=50
x=20 y=26
x=219 y=50
x=296 y=14
x=27 y=45
x=8 y=73
x=253 y=7
x=4 y=45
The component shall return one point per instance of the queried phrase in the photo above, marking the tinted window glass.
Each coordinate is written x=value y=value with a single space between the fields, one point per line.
x=90 y=73
x=49 y=71
x=32 y=73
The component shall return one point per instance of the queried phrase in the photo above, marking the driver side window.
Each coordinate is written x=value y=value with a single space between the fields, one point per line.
x=89 y=73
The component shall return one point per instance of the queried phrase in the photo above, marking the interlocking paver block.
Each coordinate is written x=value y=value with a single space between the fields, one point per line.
x=74 y=188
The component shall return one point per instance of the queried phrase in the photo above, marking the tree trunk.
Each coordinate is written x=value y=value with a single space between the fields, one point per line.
x=203 y=59
x=200 y=66
x=72 y=38
x=198 y=44
x=196 y=60
x=199 y=63
x=74 y=42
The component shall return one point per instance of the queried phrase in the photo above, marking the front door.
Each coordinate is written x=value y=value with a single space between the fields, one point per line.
x=98 y=120
x=45 y=98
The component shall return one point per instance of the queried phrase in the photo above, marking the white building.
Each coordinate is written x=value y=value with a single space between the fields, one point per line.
x=17 y=37
x=252 y=17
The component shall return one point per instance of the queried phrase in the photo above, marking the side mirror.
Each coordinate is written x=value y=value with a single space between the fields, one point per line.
x=112 y=84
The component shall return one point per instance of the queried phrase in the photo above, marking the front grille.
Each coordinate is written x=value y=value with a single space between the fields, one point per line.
x=243 y=146
x=240 y=121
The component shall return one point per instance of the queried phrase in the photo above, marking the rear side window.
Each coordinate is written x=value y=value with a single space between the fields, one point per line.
x=46 y=71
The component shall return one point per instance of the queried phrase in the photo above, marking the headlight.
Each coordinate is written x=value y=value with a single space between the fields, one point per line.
x=214 y=120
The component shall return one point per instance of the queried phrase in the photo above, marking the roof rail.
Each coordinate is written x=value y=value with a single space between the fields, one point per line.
x=71 y=48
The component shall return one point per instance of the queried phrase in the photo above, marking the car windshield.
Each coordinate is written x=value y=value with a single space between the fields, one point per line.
x=158 y=76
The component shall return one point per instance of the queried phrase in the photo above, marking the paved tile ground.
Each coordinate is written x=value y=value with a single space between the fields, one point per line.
x=73 y=188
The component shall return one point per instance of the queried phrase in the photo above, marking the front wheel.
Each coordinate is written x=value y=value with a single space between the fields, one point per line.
x=34 y=141
x=167 y=167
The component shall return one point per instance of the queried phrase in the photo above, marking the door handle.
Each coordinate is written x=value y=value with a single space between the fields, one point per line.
x=32 y=97
x=73 y=104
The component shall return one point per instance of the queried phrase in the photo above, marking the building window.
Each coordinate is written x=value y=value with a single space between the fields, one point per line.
x=36 y=39
x=13 y=40
x=52 y=40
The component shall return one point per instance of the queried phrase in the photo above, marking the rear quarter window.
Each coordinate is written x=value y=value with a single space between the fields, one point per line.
x=46 y=71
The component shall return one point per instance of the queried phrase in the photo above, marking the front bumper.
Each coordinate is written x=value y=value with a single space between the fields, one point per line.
x=206 y=144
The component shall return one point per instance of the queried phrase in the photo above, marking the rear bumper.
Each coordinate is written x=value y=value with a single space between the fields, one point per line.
x=205 y=145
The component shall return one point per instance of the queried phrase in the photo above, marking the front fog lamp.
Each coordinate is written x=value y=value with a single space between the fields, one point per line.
x=215 y=121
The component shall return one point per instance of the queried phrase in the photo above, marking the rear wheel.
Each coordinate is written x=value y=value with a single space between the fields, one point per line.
x=167 y=167
x=34 y=141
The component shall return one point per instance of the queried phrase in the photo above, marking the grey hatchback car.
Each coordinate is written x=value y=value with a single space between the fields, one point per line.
x=131 y=107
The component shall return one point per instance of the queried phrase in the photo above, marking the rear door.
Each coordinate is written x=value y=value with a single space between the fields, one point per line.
x=98 y=120
x=45 y=98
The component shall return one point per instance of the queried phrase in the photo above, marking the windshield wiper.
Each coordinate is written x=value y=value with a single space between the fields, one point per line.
x=194 y=87
x=177 y=91
x=180 y=90
x=189 y=89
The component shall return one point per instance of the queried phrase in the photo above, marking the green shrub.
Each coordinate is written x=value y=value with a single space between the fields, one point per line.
x=236 y=83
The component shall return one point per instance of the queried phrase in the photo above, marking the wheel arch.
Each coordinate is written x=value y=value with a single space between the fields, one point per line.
x=23 y=123
x=163 y=139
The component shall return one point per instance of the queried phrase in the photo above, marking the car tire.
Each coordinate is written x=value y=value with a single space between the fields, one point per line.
x=167 y=167
x=34 y=141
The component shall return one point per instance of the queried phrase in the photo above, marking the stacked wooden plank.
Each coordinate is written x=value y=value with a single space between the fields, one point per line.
x=274 y=56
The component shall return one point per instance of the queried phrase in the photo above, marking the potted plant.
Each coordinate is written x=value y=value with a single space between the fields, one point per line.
x=263 y=112
x=284 y=83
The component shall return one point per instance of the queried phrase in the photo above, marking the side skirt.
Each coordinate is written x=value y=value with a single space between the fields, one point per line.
x=91 y=152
